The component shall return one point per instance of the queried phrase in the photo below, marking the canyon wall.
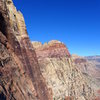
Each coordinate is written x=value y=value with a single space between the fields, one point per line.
x=20 y=75
x=62 y=75
x=32 y=71
x=90 y=68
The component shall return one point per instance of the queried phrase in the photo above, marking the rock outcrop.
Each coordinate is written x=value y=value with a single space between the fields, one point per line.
x=62 y=75
x=52 y=49
x=32 y=71
x=90 y=67
x=20 y=75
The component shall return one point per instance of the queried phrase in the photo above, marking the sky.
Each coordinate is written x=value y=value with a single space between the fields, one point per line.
x=76 y=23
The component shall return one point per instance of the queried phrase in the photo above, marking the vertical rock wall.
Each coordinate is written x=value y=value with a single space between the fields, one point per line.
x=16 y=44
x=62 y=75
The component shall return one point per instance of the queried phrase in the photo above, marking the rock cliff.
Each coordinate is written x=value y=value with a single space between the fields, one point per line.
x=62 y=75
x=32 y=71
x=20 y=75
x=90 y=67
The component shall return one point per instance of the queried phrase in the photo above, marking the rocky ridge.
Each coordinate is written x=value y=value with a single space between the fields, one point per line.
x=52 y=49
x=20 y=75
x=61 y=74
x=90 y=67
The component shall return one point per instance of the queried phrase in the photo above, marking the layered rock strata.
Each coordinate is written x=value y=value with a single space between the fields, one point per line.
x=90 y=67
x=44 y=72
x=20 y=75
x=60 y=72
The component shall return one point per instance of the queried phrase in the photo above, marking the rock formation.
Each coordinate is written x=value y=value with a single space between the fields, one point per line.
x=62 y=75
x=32 y=71
x=90 y=67
x=20 y=75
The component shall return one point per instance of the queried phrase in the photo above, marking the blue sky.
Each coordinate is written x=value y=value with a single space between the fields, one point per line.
x=74 y=22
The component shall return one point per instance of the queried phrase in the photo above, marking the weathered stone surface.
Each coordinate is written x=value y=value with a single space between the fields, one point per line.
x=52 y=49
x=22 y=67
x=88 y=66
x=20 y=75
x=61 y=74
x=91 y=67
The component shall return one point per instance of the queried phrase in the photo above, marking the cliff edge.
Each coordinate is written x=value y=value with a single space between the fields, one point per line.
x=20 y=75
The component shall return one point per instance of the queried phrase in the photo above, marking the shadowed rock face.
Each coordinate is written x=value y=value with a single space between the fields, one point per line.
x=2 y=24
x=60 y=72
x=20 y=75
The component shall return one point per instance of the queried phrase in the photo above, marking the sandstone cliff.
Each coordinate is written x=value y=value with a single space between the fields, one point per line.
x=90 y=67
x=20 y=75
x=36 y=72
x=62 y=75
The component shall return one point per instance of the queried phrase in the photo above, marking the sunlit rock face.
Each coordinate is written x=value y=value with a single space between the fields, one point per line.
x=44 y=72
x=62 y=75
x=90 y=67
x=20 y=75
x=52 y=49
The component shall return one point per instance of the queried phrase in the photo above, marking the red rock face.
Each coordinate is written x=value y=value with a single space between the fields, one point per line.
x=32 y=68
x=80 y=61
x=69 y=98
x=65 y=79
x=98 y=97
x=87 y=66
x=53 y=50
x=19 y=67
